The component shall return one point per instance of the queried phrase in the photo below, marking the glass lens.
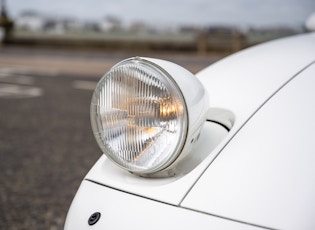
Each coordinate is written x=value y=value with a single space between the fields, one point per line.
x=139 y=116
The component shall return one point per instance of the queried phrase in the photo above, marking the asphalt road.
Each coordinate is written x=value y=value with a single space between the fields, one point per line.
x=46 y=142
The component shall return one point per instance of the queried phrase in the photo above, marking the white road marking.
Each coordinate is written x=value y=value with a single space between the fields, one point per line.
x=18 y=91
x=86 y=85
x=17 y=79
x=22 y=69
x=17 y=85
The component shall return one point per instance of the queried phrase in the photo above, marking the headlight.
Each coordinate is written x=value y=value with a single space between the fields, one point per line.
x=141 y=117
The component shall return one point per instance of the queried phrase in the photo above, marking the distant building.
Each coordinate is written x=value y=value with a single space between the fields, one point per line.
x=60 y=26
x=138 y=27
x=310 y=23
x=110 y=24
x=30 y=20
x=259 y=35
x=33 y=21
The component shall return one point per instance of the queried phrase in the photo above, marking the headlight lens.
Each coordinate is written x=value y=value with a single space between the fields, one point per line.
x=139 y=116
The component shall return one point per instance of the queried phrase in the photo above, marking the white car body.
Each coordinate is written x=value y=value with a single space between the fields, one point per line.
x=259 y=174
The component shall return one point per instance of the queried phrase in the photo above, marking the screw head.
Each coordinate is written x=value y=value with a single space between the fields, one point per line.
x=94 y=218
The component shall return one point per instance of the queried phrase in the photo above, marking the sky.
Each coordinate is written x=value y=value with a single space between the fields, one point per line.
x=257 y=13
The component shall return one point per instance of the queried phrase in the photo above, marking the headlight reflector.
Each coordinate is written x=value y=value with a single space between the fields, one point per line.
x=139 y=116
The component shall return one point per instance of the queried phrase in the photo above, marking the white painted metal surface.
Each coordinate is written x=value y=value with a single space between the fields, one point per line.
x=245 y=80
x=120 y=210
x=167 y=189
x=240 y=83
x=265 y=175
x=264 y=172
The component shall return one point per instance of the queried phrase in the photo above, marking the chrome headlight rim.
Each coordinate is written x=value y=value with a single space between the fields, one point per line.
x=166 y=80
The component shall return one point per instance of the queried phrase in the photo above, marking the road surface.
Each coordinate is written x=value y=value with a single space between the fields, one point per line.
x=46 y=142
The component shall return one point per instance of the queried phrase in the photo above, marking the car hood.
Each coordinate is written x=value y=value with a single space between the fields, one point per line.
x=258 y=170
x=265 y=175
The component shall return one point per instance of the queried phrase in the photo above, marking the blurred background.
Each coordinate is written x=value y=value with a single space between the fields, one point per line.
x=52 y=53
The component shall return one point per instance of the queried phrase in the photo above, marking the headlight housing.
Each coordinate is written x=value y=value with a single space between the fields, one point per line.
x=143 y=114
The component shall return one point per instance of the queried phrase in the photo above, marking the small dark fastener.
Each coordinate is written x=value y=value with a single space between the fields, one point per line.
x=94 y=218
